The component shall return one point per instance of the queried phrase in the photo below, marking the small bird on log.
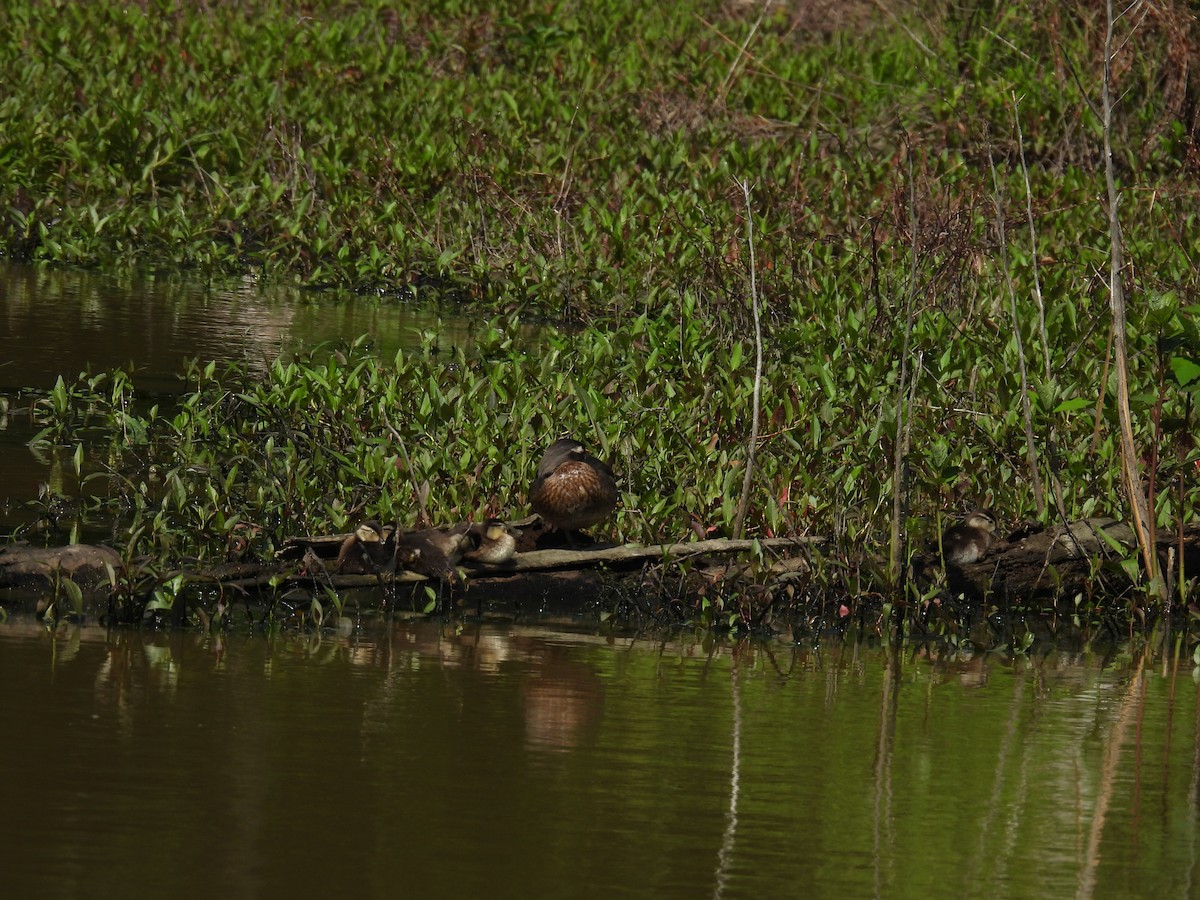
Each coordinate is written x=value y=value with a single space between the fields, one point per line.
x=367 y=550
x=969 y=541
x=573 y=489
x=491 y=543
x=433 y=552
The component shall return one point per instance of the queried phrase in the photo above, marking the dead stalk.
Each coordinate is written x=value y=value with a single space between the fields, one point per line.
x=1033 y=244
x=1143 y=521
x=725 y=85
x=1039 y=299
x=740 y=520
x=421 y=491
x=897 y=545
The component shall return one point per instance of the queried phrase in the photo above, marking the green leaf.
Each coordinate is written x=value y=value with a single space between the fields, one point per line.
x=1075 y=403
x=1132 y=569
x=1186 y=371
x=75 y=592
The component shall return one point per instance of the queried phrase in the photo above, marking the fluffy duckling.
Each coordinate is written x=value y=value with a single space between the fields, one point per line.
x=572 y=489
x=491 y=543
x=433 y=552
x=368 y=549
x=969 y=541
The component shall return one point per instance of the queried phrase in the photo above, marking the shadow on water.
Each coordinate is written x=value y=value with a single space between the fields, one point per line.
x=508 y=761
x=60 y=322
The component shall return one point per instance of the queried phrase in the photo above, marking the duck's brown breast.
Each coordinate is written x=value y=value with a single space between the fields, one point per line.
x=575 y=495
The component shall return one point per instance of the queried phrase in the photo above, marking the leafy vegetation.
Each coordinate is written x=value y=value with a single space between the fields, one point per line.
x=582 y=162
x=583 y=156
x=329 y=440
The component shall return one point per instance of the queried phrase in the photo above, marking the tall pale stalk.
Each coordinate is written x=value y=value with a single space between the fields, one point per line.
x=739 y=522
x=1026 y=411
x=1047 y=372
x=1143 y=520
x=903 y=401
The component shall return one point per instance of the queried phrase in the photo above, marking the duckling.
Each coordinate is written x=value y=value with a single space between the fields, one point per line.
x=491 y=543
x=572 y=489
x=969 y=541
x=367 y=549
x=433 y=552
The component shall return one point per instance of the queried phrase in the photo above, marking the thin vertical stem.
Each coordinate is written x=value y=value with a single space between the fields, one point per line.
x=739 y=523
x=1039 y=299
x=1035 y=477
x=1033 y=244
x=896 y=565
x=1143 y=522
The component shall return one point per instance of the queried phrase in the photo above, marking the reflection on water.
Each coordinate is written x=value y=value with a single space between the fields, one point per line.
x=563 y=699
x=63 y=321
x=489 y=761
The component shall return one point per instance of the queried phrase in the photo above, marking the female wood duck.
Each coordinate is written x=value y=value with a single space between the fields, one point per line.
x=572 y=489
x=491 y=543
x=968 y=542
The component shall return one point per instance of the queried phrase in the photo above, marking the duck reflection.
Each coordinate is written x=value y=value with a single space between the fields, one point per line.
x=564 y=703
x=561 y=698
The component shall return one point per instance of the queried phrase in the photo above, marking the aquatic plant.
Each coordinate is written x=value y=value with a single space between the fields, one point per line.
x=242 y=463
x=577 y=160
x=585 y=163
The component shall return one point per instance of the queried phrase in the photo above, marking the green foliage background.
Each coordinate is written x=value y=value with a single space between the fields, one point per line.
x=581 y=162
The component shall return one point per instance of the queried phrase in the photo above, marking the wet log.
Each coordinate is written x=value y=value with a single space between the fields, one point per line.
x=315 y=551
x=86 y=564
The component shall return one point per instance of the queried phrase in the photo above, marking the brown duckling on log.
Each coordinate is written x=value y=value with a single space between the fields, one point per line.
x=367 y=550
x=491 y=543
x=573 y=489
x=969 y=541
x=433 y=552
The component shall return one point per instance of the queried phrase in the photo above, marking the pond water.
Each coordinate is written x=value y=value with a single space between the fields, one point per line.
x=416 y=759
x=60 y=322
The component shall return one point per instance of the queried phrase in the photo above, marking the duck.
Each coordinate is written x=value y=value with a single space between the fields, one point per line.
x=969 y=541
x=491 y=543
x=367 y=549
x=573 y=489
x=433 y=552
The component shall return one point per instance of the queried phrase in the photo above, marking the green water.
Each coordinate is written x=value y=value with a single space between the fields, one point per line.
x=426 y=761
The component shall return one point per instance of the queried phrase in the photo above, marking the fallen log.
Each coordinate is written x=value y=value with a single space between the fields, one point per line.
x=542 y=560
x=1082 y=557
x=1064 y=559
x=85 y=564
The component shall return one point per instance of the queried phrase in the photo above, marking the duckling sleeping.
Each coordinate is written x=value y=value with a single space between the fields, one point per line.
x=367 y=550
x=969 y=541
x=491 y=543
x=433 y=552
